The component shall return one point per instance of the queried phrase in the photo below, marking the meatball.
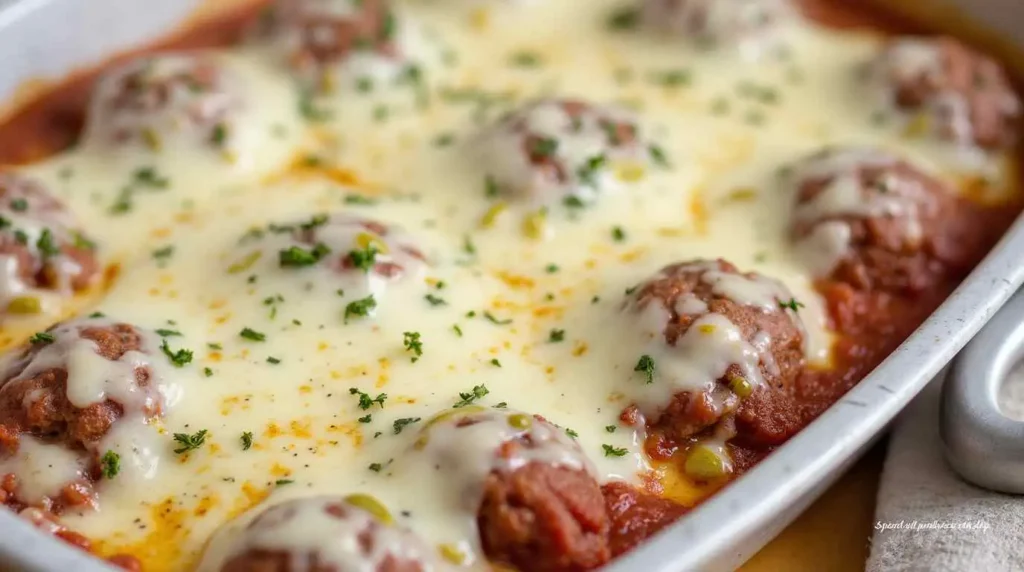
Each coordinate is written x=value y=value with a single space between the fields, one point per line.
x=875 y=221
x=537 y=503
x=42 y=250
x=321 y=534
x=62 y=396
x=361 y=255
x=949 y=90
x=564 y=150
x=751 y=25
x=636 y=515
x=714 y=339
x=324 y=41
x=157 y=101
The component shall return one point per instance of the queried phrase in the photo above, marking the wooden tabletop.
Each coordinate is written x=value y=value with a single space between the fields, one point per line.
x=834 y=534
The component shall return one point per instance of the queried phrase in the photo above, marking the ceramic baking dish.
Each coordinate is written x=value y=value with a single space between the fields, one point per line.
x=49 y=38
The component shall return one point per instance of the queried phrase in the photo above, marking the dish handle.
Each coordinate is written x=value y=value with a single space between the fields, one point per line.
x=981 y=443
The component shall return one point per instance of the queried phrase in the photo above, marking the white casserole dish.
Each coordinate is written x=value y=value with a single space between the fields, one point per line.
x=49 y=38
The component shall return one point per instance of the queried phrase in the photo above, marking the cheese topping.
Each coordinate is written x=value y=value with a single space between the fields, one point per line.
x=563 y=152
x=320 y=532
x=141 y=382
x=43 y=470
x=712 y=343
x=753 y=26
x=340 y=45
x=319 y=352
x=920 y=63
x=849 y=193
x=453 y=455
x=36 y=233
x=356 y=257
x=149 y=99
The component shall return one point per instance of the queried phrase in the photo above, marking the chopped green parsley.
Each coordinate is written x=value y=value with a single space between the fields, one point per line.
x=413 y=344
x=610 y=451
x=792 y=304
x=658 y=156
x=365 y=401
x=435 y=300
x=309 y=110
x=400 y=424
x=42 y=338
x=190 y=442
x=543 y=147
x=467 y=398
x=624 y=18
x=360 y=308
x=492 y=319
x=179 y=358
x=526 y=59
x=110 y=464
x=646 y=366
x=297 y=257
x=252 y=335
x=46 y=245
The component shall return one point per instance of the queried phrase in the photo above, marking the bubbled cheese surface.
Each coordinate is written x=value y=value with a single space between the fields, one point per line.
x=532 y=323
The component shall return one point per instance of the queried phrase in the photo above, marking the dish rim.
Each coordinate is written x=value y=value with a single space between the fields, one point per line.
x=736 y=522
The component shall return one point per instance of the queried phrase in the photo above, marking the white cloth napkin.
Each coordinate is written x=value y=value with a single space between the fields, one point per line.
x=975 y=529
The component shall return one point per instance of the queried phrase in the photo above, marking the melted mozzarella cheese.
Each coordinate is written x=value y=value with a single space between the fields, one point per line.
x=317 y=532
x=756 y=28
x=279 y=356
x=580 y=152
x=453 y=461
x=893 y=196
x=43 y=470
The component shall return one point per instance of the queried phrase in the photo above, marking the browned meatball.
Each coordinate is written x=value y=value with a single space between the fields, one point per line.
x=567 y=151
x=539 y=505
x=49 y=412
x=875 y=221
x=41 y=245
x=544 y=516
x=40 y=399
x=740 y=340
x=327 y=534
x=636 y=515
x=959 y=94
x=155 y=101
x=319 y=35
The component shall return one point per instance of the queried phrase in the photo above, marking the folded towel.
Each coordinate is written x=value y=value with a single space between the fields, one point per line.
x=927 y=518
